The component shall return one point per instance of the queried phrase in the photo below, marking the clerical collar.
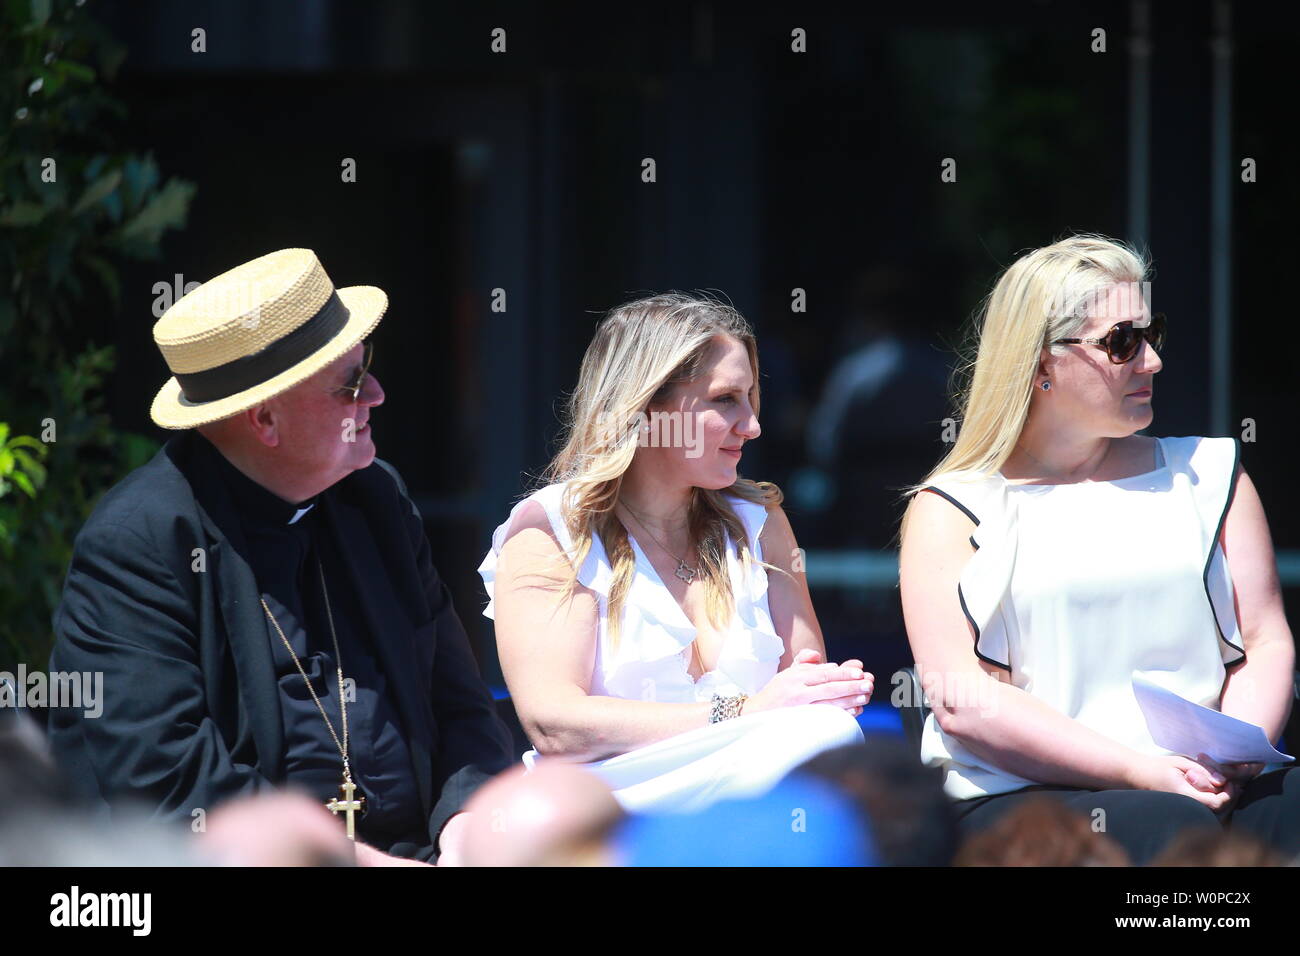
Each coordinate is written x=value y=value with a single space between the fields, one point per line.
x=256 y=504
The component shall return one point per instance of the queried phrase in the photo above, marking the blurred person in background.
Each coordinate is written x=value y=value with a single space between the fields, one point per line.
x=878 y=419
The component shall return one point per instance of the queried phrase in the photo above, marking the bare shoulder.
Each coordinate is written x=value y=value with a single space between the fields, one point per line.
x=531 y=546
x=531 y=516
x=777 y=538
x=938 y=532
x=935 y=512
x=1246 y=506
x=777 y=524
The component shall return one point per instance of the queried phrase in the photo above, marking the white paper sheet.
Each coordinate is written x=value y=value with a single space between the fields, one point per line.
x=1189 y=729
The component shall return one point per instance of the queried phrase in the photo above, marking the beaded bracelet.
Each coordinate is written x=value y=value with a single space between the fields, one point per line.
x=725 y=708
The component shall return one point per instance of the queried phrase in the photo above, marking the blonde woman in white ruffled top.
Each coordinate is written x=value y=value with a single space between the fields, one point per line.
x=1054 y=554
x=652 y=617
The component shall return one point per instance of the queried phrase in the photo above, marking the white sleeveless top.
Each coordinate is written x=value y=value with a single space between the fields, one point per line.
x=653 y=651
x=1075 y=587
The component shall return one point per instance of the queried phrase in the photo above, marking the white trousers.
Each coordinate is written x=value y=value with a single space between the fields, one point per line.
x=732 y=759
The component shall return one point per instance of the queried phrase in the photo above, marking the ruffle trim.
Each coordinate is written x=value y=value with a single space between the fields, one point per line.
x=1212 y=466
x=651 y=613
x=1208 y=463
x=987 y=576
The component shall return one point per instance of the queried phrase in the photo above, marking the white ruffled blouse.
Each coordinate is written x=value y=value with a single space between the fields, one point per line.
x=1074 y=587
x=653 y=653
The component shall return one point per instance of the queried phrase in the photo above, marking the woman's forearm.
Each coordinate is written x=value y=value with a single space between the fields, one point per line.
x=1261 y=690
x=586 y=728
x=1012 y=729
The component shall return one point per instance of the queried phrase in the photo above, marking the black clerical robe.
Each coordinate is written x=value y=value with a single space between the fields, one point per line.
x=294 y=556
x=162 y=598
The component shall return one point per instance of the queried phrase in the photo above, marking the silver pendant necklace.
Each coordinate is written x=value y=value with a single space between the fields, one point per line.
x=683 y=570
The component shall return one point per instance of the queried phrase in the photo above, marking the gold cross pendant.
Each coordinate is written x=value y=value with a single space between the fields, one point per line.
x=348 y=805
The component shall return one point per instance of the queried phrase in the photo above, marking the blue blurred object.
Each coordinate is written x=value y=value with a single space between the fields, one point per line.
x=880 y=717
x=800 y=822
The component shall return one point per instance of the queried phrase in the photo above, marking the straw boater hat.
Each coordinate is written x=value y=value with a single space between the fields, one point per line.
x=254 y=332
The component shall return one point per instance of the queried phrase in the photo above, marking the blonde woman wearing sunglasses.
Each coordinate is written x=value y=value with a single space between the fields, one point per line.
x=1054 y=553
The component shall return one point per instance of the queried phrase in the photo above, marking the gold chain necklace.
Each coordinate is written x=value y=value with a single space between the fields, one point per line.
x=349 y=804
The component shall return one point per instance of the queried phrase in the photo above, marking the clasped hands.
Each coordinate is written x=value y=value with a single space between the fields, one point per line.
x=809 y=681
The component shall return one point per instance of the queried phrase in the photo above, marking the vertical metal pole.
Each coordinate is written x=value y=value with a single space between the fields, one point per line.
x=1139 y=123
x=1221 y=181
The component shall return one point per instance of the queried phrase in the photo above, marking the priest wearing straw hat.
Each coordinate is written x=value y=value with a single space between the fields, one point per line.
x=260 y=596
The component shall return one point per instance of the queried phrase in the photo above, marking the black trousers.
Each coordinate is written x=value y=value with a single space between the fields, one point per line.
x=1144 y=821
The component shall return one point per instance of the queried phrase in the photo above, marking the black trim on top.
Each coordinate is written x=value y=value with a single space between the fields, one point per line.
x=961 y=598
x=966 y=511
x=241 y=374
x=1214 y=543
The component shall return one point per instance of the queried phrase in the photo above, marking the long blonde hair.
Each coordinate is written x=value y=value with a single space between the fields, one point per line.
x=1044 y=295
x=641 y=350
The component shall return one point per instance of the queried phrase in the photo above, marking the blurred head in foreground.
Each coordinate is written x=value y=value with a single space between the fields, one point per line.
x=42 y=825
x=285 y=828
x=1041 y=832
x=554 y=815
x=1206 y=846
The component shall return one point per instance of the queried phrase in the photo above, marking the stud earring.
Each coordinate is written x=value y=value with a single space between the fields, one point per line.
x=1046 y=386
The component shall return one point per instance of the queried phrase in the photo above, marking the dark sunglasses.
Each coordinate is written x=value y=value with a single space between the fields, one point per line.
x=353 y=388
x=1123 y=340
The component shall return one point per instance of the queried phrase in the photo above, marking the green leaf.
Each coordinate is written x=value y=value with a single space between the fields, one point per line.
x=137 y=450
x=164 y=211
x=141 y=180
x=25 y=483
x=30 y=466
x=6 y=462
x=96 y=165
x=51 y=82
x=113 y=203
x=23 y=441
x=23 y=213
x=4 y=433
x=97 y=191
x=76 y=71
